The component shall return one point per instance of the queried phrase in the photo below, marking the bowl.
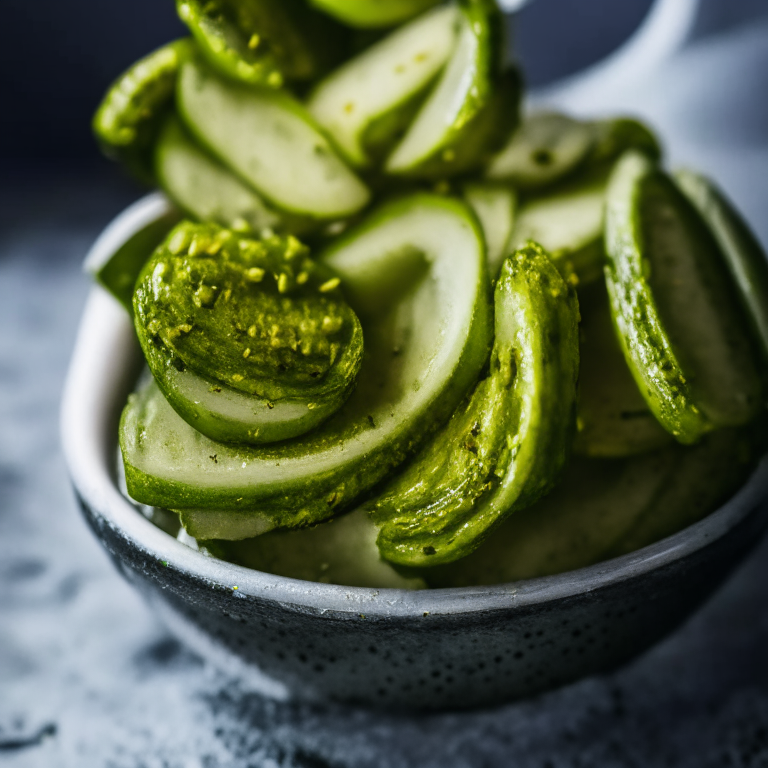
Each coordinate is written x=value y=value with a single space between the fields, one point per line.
x=415 y=650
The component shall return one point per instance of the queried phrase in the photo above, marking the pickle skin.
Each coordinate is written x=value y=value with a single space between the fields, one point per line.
x=129 y=117
x=507 y=446
x=650 y=227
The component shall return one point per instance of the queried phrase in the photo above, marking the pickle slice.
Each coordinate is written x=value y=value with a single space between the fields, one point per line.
x=744 y=255
x=269 y=140
x=401 y=66
x=469 y=107
x=567 y=221
x=415 y=273
x=130 y=115
x=263 y=42
x=249 y=340
x=682 y=330
x=340 y=551
x=506 y=447
x=604 y=508
x=496 y=208
x=369 y=14
x=613 y=418
x=547 y=147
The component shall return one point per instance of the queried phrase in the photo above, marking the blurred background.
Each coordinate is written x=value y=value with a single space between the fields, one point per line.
x=87 y=677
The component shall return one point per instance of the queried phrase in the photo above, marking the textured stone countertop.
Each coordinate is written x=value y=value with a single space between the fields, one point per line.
x=88 y=677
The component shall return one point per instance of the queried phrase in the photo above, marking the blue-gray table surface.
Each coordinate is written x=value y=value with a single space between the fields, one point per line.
x=88 y=676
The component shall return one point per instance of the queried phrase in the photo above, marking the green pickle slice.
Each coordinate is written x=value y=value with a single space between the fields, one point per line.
x=370 y=14
x=249 y=340
x=567 y=220
x=415 y=273
x=507 y=446
x=402 y=66
x=130 y=115
x=496 y=208
x=682 y=330
x=471 y=107
x=269 y=140
x=614 y=419
x=263 y=42
x=745 y=257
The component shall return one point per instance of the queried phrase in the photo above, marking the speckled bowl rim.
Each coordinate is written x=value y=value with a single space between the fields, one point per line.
x=102 y=369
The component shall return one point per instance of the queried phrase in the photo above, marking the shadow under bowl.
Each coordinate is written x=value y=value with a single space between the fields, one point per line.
x=431 y=649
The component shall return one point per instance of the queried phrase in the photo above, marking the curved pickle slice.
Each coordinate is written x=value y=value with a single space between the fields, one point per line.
x=248 y=339
x=263 y=42
x=496 y=207
x=613 y=418
x=370 y=14
x=604 y=508
x=508 y=445
x=415 y=273
x=200 y=185
x=130 y=115
x=402 y=66
x=744 y=255
x=567 y=221
x=469 y=106
x=549 y=146
x=678 y=319
x=270 y=141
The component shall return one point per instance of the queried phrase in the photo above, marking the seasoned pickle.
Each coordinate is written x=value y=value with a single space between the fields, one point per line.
x=506 y=447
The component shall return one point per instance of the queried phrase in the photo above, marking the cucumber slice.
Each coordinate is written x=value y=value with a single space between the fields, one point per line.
x=568 y=222
x=546 y=147
x=263 y=42
x=341 y=551
x=496 y=208
x=508 y=445
x=401 y=66
x=119 y=273
x=467 y=108
x=248 y=339
x=204 y=188
x=368 y=14
x=744 y=255
x=269 y=140
x=128 y=119
x=681 y=328
x=613 y=418
x=604 y=508
x=425 y=344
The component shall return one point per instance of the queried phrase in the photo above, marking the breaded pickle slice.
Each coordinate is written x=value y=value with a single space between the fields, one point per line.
x=207 y=191
x=604 y=508
x=131 y=113
x=745 y=257
x=614 y=419
x=547 y=147
x=496 y=207
x=567 y=220
x=370 y=14
x=263 y=42
x=415 y=273
x=375 y=93
x=249 y=340
x=679 y=321
x=507 y=446
x=470 y=108
x=269 y=140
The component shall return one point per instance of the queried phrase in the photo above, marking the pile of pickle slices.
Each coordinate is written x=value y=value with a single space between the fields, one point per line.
x=400 y=335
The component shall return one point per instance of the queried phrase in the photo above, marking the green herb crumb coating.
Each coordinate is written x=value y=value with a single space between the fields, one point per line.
x=235 y=321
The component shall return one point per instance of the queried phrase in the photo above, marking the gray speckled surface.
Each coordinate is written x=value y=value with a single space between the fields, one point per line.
x=89 y=678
